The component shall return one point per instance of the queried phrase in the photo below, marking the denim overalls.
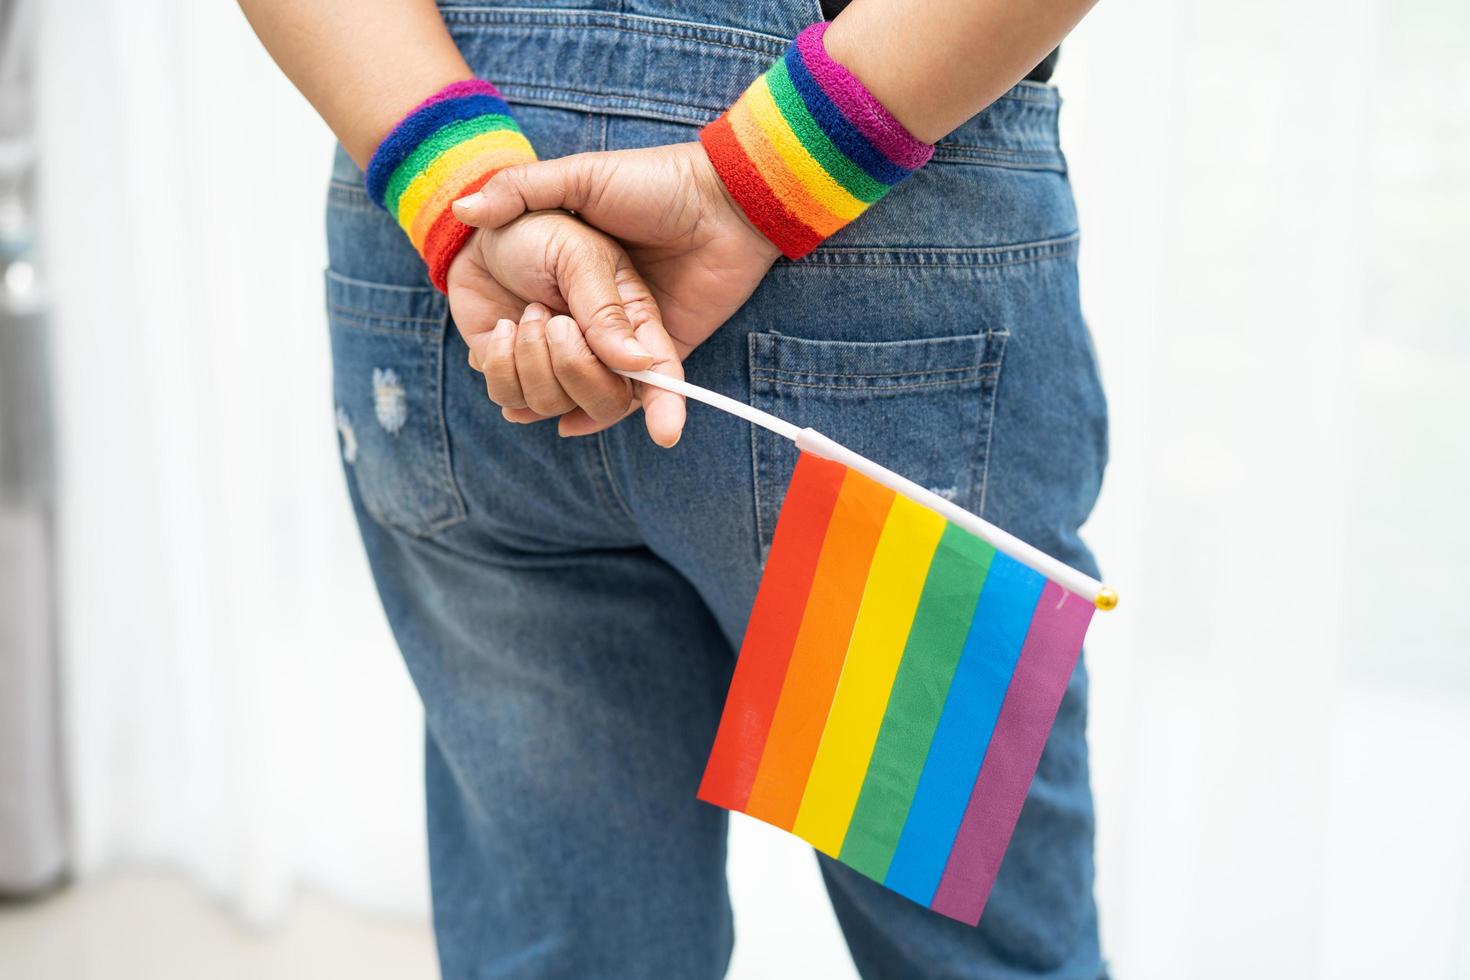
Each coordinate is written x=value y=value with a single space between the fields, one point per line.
x=570 y=609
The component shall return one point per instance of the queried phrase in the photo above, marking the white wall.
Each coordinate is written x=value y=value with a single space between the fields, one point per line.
x=1272 y=200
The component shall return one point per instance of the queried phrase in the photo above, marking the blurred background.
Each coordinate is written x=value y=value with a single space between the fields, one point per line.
x=209 y=750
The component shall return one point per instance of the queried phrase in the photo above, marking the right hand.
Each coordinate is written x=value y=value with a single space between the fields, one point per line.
x=699 y=255
x=549 y=262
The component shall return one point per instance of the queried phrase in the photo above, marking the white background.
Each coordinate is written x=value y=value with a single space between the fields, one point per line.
x=1273 y=199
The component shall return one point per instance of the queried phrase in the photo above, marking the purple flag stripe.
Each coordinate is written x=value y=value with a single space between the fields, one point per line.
x=1047 y=660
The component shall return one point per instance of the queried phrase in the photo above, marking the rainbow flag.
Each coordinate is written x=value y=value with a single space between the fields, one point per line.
x=897 y=682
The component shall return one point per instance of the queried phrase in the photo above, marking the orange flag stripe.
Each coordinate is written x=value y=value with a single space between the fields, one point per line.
x=821 y=647
x=771 y=631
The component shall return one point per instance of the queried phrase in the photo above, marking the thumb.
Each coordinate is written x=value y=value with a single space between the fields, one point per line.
x=588 y=273
x=567 y=182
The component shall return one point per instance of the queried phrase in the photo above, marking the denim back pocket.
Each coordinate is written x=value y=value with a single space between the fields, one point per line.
x=922 y=408
x=388 y=381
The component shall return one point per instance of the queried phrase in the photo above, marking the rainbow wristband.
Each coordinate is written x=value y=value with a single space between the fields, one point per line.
x=807 y=148
x=447 y=147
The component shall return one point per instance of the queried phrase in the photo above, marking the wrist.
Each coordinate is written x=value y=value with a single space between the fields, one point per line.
x=447 y=147
x=807 y=148
x=719 y=201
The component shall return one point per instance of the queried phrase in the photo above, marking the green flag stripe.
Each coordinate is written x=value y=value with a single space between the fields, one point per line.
x=941 y=623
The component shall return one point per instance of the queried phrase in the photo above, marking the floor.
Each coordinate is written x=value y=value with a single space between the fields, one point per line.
x=153 y=926
x=160 y=928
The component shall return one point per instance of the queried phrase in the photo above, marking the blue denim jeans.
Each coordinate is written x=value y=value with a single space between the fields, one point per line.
x=570 y=609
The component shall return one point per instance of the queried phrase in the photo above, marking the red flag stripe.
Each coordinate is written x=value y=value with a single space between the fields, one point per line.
x=771 y=632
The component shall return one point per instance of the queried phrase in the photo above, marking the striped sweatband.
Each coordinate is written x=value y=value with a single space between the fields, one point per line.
x=807 y=148
x=446 y=148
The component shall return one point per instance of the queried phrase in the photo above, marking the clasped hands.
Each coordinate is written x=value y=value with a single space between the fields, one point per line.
x=626 y=259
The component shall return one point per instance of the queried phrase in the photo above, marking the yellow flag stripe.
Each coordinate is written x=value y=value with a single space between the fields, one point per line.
x=890 y=599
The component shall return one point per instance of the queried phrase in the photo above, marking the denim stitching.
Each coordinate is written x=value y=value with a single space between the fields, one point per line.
x=876 y=389
x=368 y=316
x=752 y=341
x=1062 y=243
x=791 y=372
x=978 y=257
x=1003 y=337
x=681 y=114
x=864 y=381
x=620 y=22
x=612 y=484
x=605 y=102
x=457 y=511
x=348 y=198
x=347 y=281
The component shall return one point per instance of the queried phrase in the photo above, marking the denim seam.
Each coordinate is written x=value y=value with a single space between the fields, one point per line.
x=919 y=257
x=385 y=287
x=683 y=114
x=874 y=389
x=967 y=369
x=338 y=192
x=659 y=28
x=611 y=482
x=1060 y=242
x=441 y=437
x=988 y=414
x=606 y=103
x=755 y=459
x=365 y=317
x=968 y=154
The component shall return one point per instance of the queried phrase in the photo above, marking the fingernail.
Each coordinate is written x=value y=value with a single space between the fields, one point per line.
x=535 y=311
x=556 y=329
x=502 y=328
x=636 y=349
x=467 y=200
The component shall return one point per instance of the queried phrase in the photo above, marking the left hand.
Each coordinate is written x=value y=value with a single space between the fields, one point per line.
x=552 y=262
x=696 y=253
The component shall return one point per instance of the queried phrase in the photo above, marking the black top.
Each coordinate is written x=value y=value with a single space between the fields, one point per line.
x=1041 y=73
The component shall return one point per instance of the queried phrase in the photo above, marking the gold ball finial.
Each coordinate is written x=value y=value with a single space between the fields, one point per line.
x=1106 y=599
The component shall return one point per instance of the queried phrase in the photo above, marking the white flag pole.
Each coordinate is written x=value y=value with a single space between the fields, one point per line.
x=812 y=441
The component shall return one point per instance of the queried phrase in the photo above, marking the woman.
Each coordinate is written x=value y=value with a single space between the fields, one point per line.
x=570 y=608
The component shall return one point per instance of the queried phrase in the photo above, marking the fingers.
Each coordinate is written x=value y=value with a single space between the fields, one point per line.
x=543 y=368
x=601 y=394
x=498 y=362
x=549 y=366
x=663 y=411
x=543 y=392
x=567 y=182
x=589 y=273
x=579 y=423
